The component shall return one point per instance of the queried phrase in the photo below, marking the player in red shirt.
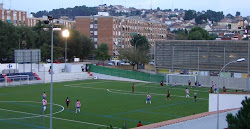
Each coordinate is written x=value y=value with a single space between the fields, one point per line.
x=133 y=87
x=139 y=124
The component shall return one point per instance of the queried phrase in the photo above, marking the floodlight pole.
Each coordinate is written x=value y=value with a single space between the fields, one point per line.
x=65 y=34
x=51 y=82
x=218 y=88
x=65 y=54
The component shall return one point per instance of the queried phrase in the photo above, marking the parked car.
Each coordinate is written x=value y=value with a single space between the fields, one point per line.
x=124 y=63
x=111 y=63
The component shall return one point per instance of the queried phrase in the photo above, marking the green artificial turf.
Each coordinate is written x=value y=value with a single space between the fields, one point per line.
x=21 y=107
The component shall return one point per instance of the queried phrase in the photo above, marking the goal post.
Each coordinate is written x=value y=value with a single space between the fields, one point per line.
x=180 y=79
x=16 y=80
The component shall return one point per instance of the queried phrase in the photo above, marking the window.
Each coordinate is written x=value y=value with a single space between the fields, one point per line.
x=95 y=32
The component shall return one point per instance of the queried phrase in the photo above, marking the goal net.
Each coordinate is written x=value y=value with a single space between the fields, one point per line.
x=15 y=80
x=179 y=79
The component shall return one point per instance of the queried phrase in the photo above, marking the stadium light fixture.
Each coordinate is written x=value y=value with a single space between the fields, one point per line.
x=218 y=88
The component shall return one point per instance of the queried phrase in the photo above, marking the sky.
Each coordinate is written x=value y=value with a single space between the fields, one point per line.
x=227 y=6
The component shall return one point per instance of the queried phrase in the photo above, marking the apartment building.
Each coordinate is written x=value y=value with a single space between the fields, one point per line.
x=31 y=21
x=15 y=17
x=117 y=32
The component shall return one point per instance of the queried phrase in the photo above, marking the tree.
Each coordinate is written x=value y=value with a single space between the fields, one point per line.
x=230 y=16
x=197 y=33
x=139 y=54
x=237 y=13
x=201 y=19
x=79 y=45
x=27 y=37
x=189 y=15
x=102 y=52
x=140 y=42
x=181 y=34
x=8 y=41
x=214 y=16
x=242 y=118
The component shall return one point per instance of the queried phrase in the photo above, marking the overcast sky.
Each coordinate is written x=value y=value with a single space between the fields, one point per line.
x=227 y=6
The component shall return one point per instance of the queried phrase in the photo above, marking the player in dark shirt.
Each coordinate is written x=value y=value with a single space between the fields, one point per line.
x=67 y=101
x=161 y=83
x=168 y=95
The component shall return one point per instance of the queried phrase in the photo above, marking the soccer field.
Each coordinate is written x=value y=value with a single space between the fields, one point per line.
x=104 y=102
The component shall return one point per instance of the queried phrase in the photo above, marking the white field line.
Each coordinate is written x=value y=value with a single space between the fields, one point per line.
x=136 y=85
x=82 y=122
x=173 y=88
x=128 y=92
x=36 y=115
x=94 y=83
x=144 y=93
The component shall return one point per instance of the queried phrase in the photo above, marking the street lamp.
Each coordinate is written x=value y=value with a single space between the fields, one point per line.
x=65 y=34
x=218 y=88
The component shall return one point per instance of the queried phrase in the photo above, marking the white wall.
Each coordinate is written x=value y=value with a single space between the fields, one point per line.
x=226 y=101
x=6 y=66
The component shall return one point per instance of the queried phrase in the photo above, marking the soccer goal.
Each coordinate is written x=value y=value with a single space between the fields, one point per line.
x=179 y=79
x=16 y=80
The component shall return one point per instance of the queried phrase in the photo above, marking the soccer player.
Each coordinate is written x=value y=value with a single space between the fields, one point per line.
x=187 y=93
x=161 y=83
x=189 y=83
x=215 y=88
x=168 y=95
x=195 y=96
x=148 y=98
x=44 y=95
x=212 y=84
x=44 y=102
x=195 y=84
x=78 y=105
x=211 y=90
x=133 y=87
x=67 y=101
x=224 y=89
x=139 y=124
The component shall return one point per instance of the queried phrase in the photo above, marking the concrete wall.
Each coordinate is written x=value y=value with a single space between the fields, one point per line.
x=226 y=101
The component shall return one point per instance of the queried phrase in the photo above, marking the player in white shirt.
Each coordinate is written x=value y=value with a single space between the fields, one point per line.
x=148 y=98
x=187 y=93
x=78 y=105
x=44 y=102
